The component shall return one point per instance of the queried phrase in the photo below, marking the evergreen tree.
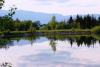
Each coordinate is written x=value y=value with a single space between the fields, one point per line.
x=70 y=21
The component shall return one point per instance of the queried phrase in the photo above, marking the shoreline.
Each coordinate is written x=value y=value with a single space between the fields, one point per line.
x=45 y=32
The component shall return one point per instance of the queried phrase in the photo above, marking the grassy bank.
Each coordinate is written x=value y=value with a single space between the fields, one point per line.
x=69 y=31
x=14 y=33
x=47 y=32
x=1 y=33
x=74 y=30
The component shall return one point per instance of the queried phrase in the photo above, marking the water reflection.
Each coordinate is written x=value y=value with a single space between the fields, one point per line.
x=83 y=40
x=79 y=40
x=53 y=45
x=5 y=43
x=35 y=51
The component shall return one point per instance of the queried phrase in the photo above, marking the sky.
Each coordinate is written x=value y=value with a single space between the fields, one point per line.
x=64 y=7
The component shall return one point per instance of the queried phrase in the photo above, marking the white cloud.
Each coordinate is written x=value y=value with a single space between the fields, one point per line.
x=64 y=7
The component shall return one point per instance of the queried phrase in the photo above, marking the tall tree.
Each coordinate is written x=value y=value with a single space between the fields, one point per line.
x=6 y=22
x=70 y=21
x=53 y=23
x=99 y=20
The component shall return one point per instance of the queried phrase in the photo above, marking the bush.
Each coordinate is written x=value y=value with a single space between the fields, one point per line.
x=32 y=30
x=96 y=30
x=1 y=33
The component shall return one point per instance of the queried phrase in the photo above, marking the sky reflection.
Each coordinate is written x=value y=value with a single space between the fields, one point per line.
x=41 y=54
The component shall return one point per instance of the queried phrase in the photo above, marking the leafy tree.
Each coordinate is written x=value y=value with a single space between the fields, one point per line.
x=6 y=22
x=17 y=23
x=1 y=3
x=53 y=23
x=36 y=25
x=44 y=27
x=12 y=11
x=62 y=25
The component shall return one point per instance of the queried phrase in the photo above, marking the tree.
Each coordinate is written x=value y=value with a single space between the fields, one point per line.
x=6 y=22
x=1 y=3
x=12 y=11
x=70 y=21
x=61 y=25
x=98 y=21
x=53 y=23
x=36 y=25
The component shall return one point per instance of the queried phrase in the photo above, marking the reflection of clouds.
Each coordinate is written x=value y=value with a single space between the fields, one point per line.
x=62 y=59
x=41 y=40
x=90 y=54
x=21 y=42
x=64 y=56
x=58 y=1
x=47 y=56
x=41 y=55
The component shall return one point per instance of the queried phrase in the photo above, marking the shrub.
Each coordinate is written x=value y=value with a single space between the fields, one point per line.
x=1 y=33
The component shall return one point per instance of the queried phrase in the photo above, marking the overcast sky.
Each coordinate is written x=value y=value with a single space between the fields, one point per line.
x=65 y=7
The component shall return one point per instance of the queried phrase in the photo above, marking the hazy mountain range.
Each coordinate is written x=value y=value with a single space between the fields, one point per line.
x=37 y=16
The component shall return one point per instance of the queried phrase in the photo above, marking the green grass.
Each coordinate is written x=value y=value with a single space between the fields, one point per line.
x=48 y=31
x=76 y=30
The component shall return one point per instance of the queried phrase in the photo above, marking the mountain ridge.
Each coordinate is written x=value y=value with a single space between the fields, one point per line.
x=44 y=18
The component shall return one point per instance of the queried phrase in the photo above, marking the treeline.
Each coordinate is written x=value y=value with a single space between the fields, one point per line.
x=8 y=24
x=80 y=22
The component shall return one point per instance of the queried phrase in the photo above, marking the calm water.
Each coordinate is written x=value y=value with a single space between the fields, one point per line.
x=50 y=51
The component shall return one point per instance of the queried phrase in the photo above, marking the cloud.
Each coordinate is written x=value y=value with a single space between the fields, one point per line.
x=65 y=7
x=52 y=0
x=84 y=3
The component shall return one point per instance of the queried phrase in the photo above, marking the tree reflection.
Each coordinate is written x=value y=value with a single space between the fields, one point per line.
x=80 y=40
x=83 y=40
x=87 y=41
x=53 y=45
x=5 y=43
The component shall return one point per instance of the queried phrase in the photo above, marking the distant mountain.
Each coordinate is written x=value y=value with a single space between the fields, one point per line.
x=34 y=16
x=44 y=18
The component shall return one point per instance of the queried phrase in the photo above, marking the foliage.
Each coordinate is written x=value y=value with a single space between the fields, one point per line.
x=80 y=22
x=52 y=23
x=1 y=3
x=96 y=30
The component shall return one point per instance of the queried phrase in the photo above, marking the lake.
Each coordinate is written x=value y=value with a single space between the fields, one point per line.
x=50 y=51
